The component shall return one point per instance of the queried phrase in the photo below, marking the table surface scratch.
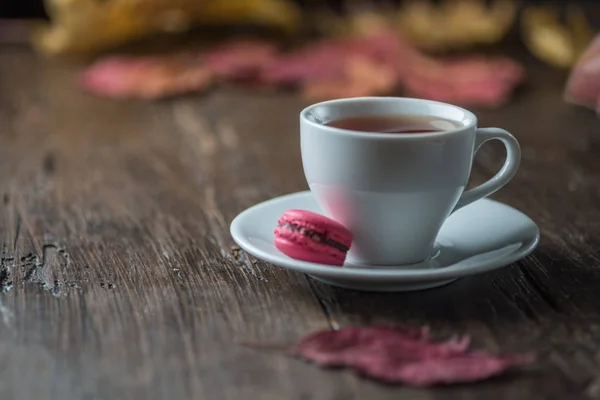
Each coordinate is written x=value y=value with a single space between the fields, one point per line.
x=119 y=279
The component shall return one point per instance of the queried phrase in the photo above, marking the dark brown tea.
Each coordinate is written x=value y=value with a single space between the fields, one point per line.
x=400 y=124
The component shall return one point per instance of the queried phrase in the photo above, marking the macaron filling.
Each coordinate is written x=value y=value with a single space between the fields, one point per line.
x=313 y=235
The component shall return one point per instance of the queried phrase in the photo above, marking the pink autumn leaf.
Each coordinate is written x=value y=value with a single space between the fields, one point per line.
x=583 y=85
x=361 y=76
x=470 y=80
x=147 y=77
x=240 y=59
x=461 y=368
x=327 y=58
x=326 y=69
x=403 y=355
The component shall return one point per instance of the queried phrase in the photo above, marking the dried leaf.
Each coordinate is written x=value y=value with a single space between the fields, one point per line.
x=146 y=77
x=462 y=368
x=361 y=77
x=91 y=26
x=471 y=80
x=583 y=85
x=327 y=59
x=551 y=41
x=362 y=345
x=403 y=355
x=455 y=24
x=332 y=68
x=240 y=59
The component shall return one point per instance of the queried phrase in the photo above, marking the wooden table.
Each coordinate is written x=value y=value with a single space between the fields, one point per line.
x=120 y=280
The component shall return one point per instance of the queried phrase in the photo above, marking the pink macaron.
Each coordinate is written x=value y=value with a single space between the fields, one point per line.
x=307 y=236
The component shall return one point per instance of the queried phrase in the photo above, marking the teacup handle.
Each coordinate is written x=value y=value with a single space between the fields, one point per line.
x=508 y=171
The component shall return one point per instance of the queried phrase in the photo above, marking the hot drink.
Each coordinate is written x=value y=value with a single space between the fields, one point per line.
x=400 y=124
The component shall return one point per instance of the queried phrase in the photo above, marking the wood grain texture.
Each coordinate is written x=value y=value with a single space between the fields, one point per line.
x=119 y=279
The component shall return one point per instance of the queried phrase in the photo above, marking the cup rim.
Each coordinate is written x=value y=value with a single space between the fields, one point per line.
x=389 y=136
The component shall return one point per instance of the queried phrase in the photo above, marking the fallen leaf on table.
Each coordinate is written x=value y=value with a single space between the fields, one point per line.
x=146 y=77
x=404 y=355
x=471 y=80
x=84 y=27
x=583 y=85
x=153 y=77
x=361 y=77
x=465 y=368
x=455 y=24
x=375 y=65
x=326 y=59
x=331 y=68
x=558 y=44
x=240 y=59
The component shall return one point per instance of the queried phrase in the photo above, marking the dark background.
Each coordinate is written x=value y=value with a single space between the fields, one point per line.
x=35 y=8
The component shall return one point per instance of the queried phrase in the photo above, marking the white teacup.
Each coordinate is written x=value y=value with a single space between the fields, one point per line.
x=394 y=191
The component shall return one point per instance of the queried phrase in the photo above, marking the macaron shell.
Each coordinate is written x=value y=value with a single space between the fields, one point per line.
x=299 y=251
x=319 y=223
x=308 y=244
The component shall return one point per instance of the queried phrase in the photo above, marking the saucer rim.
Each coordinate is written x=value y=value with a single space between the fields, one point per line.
x=454 y=270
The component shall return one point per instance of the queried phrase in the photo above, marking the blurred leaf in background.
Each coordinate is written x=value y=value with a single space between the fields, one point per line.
x=455 y=24
x=556 y=34
x=91 y=26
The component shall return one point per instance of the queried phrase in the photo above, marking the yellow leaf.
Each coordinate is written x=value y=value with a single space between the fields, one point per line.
x=558 y=44
x=455 y=24
x=91 y=26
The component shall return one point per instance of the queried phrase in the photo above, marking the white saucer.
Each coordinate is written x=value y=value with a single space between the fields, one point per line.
x=477 y=238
